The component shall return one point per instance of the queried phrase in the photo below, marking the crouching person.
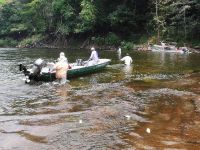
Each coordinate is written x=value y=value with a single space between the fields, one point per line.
x=61 y=70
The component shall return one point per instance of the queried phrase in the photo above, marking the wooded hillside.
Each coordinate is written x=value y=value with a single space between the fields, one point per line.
x=106 y=22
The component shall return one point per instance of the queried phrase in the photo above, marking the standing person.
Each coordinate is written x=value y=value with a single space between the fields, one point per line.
x=62 y=56
x=93 y=60
x=119 y=52
x=127 y=60
x=61 y=69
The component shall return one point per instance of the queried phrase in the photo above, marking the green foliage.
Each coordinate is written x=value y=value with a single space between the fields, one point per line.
x=87 y=16
x=112 y=39
x=124 y=18
x=98 y=40
x=9 y=16
x=127 y=45
x=37 y=14
x=2 y=2
x=17 y=28
x=152 y=40
x=8 y=42
x=65 y=17
x=88 y=11
x=143 y=39
x=31 y=40
x=178 y=20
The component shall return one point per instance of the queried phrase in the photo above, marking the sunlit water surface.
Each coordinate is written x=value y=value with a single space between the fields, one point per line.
x=153 y=104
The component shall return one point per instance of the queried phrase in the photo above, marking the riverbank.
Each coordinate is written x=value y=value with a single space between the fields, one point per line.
x=137 y=47
x=73 y=43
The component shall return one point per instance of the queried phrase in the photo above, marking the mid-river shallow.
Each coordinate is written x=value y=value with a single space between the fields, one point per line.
x=153 y=104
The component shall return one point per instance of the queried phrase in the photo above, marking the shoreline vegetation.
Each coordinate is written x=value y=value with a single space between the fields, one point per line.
x=86 y=44
x=105 y=24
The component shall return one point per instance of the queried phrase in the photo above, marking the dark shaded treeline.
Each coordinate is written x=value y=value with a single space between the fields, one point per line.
x=103 y=22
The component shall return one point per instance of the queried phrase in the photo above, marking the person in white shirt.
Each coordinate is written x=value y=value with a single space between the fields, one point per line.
x=119 y=52
x=62 y=57
x=127 y=60
x=93 y=57
x=61 y=68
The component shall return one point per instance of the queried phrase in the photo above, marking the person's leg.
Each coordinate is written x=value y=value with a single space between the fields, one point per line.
x=63 y=80
x=90 y=63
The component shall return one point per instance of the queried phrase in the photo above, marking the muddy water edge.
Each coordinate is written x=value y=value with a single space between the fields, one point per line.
x=153 y=104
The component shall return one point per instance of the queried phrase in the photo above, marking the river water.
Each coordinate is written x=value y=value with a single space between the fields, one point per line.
x=153 y=104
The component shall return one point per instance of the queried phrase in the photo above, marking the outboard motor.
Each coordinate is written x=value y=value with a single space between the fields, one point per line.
x=33 y=73
x=35 y=70
x=26 y=72
x=37 y=66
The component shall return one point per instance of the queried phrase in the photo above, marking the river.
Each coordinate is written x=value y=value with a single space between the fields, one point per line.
x=153 y=104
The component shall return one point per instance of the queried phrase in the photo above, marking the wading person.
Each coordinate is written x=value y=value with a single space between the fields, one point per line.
x=61 y=68
x=127 y=60
x=62 y=56
x=93 y=60
x=119 y=52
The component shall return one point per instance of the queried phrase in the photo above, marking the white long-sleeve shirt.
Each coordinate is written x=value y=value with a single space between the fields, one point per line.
x=119 y=51
x=127 y=59
x=94 y=56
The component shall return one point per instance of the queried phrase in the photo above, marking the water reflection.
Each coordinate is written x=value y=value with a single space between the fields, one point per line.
x=62 y=91
x=128 y=70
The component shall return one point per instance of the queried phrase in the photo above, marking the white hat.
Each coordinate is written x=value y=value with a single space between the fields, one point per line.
x=92 y=48
x=62 y=57
x=62 y=54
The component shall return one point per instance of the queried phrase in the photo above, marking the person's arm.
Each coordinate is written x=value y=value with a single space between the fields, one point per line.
x=123 y=59
x=96 y=55
x=91 y=56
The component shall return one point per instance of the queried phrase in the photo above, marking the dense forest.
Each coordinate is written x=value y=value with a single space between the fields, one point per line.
x=101 y=22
